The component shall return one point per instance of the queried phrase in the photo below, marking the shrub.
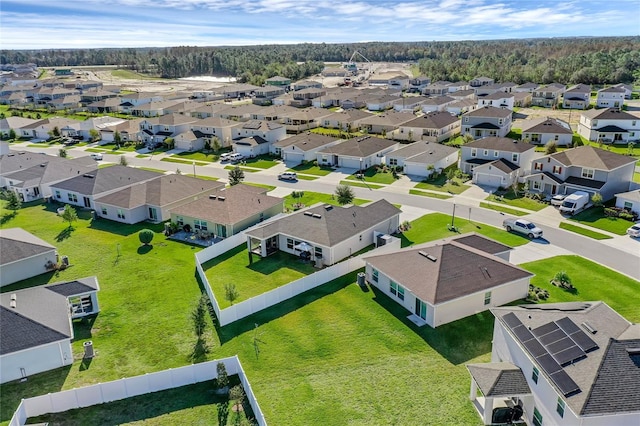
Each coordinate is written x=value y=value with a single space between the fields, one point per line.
x=146 y=236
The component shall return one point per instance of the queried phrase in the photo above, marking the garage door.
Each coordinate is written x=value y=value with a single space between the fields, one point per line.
x=489 y=180
x=294 y=159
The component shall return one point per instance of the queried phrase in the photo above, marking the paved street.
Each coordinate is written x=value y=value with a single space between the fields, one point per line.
x=620 y=252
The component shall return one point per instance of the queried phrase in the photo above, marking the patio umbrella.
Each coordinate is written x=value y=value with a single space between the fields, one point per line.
x=303 y=247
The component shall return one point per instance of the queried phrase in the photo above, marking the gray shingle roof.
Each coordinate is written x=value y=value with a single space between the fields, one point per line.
x=500 y=144
x=489 y=111
x=588 y=156
x=482 y=243
x=17 y=244
x=499 y=379
x=19 y=332
x=306 y=141
x=432 y=120
x=420 y=151
x=609 y=114
x=106 y=179
x=545 y=125
x=334 y=224
x=359 y=147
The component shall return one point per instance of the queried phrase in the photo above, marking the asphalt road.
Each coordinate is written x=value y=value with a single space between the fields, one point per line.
x=625 y=262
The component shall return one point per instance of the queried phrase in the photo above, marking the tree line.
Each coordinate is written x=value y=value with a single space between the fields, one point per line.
x=567 y=60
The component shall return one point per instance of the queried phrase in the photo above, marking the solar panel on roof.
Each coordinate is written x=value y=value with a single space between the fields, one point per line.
x=512 y=320
x=535 y=348
x=565 y=383
x=560 y=345
x=554 y=336
x=545 y=329
x=522 y=333
x=567 y=325
x=548 y=364
x=569 y=355
x=584 y=341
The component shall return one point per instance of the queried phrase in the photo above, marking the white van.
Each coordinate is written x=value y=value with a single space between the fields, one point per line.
x=574 y=203
x=236 y=157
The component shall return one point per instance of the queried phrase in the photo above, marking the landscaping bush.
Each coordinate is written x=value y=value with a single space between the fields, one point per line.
x=146 y=236
x=621 y=213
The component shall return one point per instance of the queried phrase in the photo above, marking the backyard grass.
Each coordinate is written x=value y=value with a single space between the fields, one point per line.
x=592 y=282
x=180 y=161
x=360 y=184
x=582 y=231
x=429 y=194
x=335 y=133
x=594 y=217
x=434 y=226
x=441 y=184
x=198 y=156
x=636 y=177
x=503 y=209
x=263 y=275
x=310 y=198
x=373 y=175
x=510 y=199
x=310 y=169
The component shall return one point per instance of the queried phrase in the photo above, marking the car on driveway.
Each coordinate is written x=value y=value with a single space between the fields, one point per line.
x=226 y=156
x=96 y=156
x=558 y=199
x=522 y=226
x=634 y=231
x=288 y=176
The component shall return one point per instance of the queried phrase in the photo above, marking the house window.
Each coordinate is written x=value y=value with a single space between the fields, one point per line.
x=633 y=123
x=493 y=133
x=535 y=374
x=496 y=153
x=557 y=169
x=587 y=173
x=537 y=417
x=397 y=290
x=466 y=119
x=374 y=275
x=200 y=224
x=536 y=185
x=514 y=158
x=487 y=298
x=628 y=205
x=104 y=211
x=500 y=121
x=318 y=251
x=393 y=161
x=474 y=152
x=537 y=166
x=535 y=137
x=120 y=214
x=290 y=243
x=485 y=153
x=72 y=197
x=180 y=220
x=560 y=407
x=58 y=195
x=556 y=137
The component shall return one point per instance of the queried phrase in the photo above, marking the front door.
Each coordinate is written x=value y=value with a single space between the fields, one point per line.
x=87 y=202
x=553 y=190
x=421 y=309
x=153 y=214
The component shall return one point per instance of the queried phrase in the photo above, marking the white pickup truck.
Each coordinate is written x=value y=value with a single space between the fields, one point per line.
x=522 y=226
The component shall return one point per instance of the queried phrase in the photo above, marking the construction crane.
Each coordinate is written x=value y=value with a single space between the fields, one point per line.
x=352 y=66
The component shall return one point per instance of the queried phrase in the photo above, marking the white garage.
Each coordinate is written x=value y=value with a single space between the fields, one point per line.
x=498 y=173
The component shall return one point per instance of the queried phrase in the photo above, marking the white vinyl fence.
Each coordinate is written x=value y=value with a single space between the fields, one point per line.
x=273 y=297
x=133 y=386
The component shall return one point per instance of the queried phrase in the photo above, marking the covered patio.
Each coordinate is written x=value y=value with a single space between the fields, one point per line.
x=197 y=237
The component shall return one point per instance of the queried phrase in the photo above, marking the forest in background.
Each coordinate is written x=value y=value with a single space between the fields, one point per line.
x=564 y=60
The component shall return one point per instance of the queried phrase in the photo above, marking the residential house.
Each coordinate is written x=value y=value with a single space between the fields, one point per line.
x=306 y=84
x=540 y=131
x=267 y=130
x=36 y=329
x=562 y=364
x=129 y=101
x=357 y=153
x=497 y=99
x=264 y=95
x=303 y=97
x=437 y=89
x=489 y=89
x=381 y=103
x=408 y=103
x=34 y=183
x=110 y=105
x=417 y=84
x=227 y=211
x=442 y=282
x=14 y=123
x=302 y=147
x=272 y=112
x=433 y=127
x=583 y=168
x=577 y=97
x=463 y=94
x=152 y=200
x=23 y=255
x=90 y=96
x=526 y=87
x=209 y=129
x=422 y=158
x=347 y=120
x=70 y=102
x=629 y=201
x=481 y=81
x=45 y=95
x=251 y=146
x=628 y=89
x=238 y=112
x=461 y=106
x=547 y=96
x=154 y=109
x=209 y=110
x=330 y=233
x=496 y=162
x=437 y=103
x=84 y=189
x=153 y=131
x=128 y=131
x=13 y=161
x=522 y=99
x=237 y=90
x=609 y=125
x=41 y=128
x=278 y=81
x=487 y=121
x=611 y=97
x=304 y=119
x=385 y=123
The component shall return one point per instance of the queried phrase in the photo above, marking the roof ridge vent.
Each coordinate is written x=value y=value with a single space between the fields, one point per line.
x=428 y=256
x=221 y=198
x=87 y=175
x=212 y=196
x=316 y=215
x=591 y=329
x=308 y=213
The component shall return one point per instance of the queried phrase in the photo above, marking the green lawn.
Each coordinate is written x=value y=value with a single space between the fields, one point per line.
x=114 y=147
x=594 y=217
x=503 y=209
x=180 y=161
x=310 y=169
x=306 y=177
x=636 y=177
x=261 y=162
x=261 y=185
x=373 y=175
x=440 y=184
x=262 y=275
x=151 y=169
x=198 y=156
x=335 y=132
x=310 y=198
x=246 y=169
x=592 y=281
x=429 y=194
x=360 y=184
x=510 y=199
x=433 y=226
x=582 y=231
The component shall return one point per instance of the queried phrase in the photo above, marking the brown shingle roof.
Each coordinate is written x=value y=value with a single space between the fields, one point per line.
x=490 y=111
x=588 y=156
x=359 y=147
x=500 y=144
x=432 y=120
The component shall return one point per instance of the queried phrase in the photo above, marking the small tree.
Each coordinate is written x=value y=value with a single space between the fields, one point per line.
x=94 y=135
x=117 y=139
x=62 y=153
x=596 y=199
x=123 y=161
x=199 y=316
x=13 y=201
x=145 y=236
x=236 y=394
x=550 y=147
x=223 y=378
x=344 y=194
x=168 y=143
x=451 y=174
x=562 y=279
x=216 y=145
x=56 y=132
x=69 y=215
x=515 y=187
x=12 y=134
x=236 y=176
x=297 y=195
x=231 y=292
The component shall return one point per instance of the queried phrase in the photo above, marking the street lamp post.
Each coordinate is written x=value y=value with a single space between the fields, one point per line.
x=194 y=169
x=361 y=175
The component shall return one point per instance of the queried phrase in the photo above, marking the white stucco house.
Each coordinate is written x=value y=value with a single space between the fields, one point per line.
x=302 y=147
x=609 y=125
x=445 y=281
x=422 y=158
x=575 y=364
x=540 y=131
x=611 y=97
x=357 y=153
x=35 y=326
x=23 y=255
x=629 y=200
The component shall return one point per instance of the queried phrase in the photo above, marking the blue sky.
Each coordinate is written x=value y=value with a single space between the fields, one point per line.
x=36 y=24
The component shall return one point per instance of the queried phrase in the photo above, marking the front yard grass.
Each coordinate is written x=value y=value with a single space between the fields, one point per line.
x=429 y=194
x=582 y=231
x=441 y=184
x=181 y=161
x=374 y=175
x=434 y=226
x=509 y=198
x=245 y=169
x=592 y=282
x=261 y=162
x=263 y=275
x=310 y=169
x=198 y=156
x=361 y=184
x=594 y=217
x=114 y=147
x=636 y=177
x=503 y=209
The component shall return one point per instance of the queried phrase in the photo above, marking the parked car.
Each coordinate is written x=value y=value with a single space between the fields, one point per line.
x=236 y=158
x=97 y=156
x=226 y=156
x=558 y=199
x=69 y=141
x=574 y=203
x=288 y=176
x=522 y=226
x=634 y=231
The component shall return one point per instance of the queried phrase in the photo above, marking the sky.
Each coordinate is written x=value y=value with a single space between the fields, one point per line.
x=40 y=24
